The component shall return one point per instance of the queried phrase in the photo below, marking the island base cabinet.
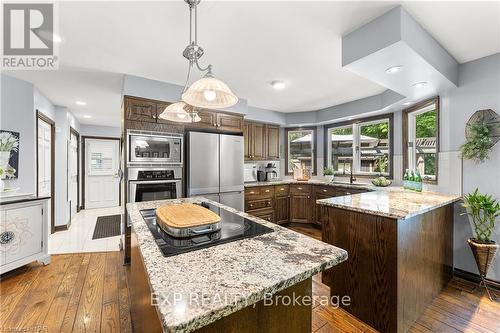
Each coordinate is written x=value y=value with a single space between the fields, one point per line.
x=395 y=267
x=277 y=314
x=274 y=314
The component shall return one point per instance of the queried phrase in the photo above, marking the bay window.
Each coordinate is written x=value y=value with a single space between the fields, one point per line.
x=363 y=145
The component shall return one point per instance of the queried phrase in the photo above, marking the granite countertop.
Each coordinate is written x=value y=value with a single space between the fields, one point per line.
x=394 y=203
x=227 y=277
x=359 y=186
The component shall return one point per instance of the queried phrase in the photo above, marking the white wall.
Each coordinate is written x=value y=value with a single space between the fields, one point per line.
x=18 y=114
x=43 y=104
x=106 y=131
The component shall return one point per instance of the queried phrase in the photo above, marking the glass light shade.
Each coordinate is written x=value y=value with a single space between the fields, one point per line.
x=209 y=93
x=178 y=112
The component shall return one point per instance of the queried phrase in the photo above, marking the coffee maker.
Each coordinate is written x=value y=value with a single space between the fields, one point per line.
x=271 y=173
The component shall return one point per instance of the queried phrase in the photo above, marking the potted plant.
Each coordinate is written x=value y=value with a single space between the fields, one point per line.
x=483 y=210
x=479 y=142
x=329 y=173
x=8 y=144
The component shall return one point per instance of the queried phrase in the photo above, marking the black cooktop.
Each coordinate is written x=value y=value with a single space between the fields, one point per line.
x=233 y=227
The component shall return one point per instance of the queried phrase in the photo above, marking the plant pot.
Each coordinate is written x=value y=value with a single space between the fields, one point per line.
x=4 y=159
x=483 y=253
x=328 y=178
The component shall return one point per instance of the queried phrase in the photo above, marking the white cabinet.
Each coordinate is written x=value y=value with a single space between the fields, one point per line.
x=23 y=234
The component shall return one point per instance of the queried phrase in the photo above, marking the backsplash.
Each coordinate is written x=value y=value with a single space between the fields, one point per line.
x=250 y=169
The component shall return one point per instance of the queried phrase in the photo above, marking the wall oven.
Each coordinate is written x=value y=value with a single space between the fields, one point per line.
x=146 y=184
x=154 y=148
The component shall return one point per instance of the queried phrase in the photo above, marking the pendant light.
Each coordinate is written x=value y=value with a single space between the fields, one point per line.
x=208 y=92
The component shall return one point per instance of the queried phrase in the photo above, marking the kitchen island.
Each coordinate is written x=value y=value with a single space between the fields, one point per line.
x=400 y=246
x=224 y=287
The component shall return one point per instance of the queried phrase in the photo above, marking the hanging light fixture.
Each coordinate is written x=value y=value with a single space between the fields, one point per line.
x=208 y=92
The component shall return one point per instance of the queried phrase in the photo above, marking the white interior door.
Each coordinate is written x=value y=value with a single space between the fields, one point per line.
x=101 y=173
x=44 y=162
x=73 y=174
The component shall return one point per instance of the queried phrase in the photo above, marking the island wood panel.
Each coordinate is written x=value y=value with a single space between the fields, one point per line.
x=425 y=262
x=144 y=316
x=395 y=268
x=369 y=274
x=277 y=318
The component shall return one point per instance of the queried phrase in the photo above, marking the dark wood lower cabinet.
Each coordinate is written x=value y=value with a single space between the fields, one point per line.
x=282 y=209
x=395 y=267
x=319 y=214
x=301 y=207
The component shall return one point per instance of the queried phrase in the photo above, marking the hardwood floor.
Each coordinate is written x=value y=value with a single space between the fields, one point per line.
x=83 y=292
x=458 y=308
x=88 y=292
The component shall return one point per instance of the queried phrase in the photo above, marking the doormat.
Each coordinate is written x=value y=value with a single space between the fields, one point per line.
x=107 y=226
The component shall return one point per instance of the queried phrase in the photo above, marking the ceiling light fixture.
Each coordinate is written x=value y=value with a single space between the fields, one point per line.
x=278 y=84
x=394 y=69
x=420 y=84
x=407 y=103
x=86 y=116
x=80 y=103
x=207 y=92
x=56 y=38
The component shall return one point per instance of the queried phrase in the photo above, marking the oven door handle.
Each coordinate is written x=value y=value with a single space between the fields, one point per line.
x=135 y=182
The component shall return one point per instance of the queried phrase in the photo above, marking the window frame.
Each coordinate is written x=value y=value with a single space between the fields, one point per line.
x=415 y=108
x=356 y=151
x=314 y=146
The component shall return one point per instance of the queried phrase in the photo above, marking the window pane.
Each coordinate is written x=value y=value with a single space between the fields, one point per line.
x=341 y=141
x=374 y=148
x=300 y=149
x=425 y=144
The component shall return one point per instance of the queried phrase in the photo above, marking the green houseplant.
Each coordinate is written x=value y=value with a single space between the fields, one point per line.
x=483 y=210
x=329 y=173
x=479 y=142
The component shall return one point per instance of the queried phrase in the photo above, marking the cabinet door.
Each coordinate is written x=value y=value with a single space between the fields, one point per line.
x=273 y=142
x=300 y=208
x=25 y=227
x=258 y=141
x=208 y=120
x=282 y=209
x=267 y=215
x=319 y=215
x=140 y=110
x=229 y=122
x=247 y=135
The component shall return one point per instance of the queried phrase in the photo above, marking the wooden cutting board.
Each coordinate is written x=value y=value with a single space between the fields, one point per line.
x=185 y=215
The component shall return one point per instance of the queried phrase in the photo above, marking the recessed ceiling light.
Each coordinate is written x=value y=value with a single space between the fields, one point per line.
x=278 y=84
x=394 y=69
x=86 y=116
x=420 y=84
x=407 y=103
x=80 y=103
x=57 y=38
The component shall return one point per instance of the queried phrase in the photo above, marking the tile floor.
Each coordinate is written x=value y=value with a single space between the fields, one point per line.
x=79 y=236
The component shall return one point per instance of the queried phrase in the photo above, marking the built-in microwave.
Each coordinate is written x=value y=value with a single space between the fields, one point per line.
x=154 y=148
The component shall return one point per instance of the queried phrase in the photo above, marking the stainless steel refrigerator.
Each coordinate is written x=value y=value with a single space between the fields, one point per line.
x=215 y=167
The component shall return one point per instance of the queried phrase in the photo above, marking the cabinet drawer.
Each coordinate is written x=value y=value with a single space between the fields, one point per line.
x=259 y=192
x=265 y=214
x=300 y=189
x=282 y=190
x=258 y=204
x=325 y=190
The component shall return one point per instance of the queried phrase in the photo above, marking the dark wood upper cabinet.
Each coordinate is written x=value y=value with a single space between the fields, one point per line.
x=140 y=110
x=208 y=120
x=273 y=142
x=262 y=142
x=258 y=144
x=229 y=122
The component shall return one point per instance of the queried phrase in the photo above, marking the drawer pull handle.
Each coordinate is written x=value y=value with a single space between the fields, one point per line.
x=282 y=189
x=267 y=191
x=299 y=188
x=6 y=237
x=348 y=193
x=251 y=205
x=325 y=191
x=252 y=192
